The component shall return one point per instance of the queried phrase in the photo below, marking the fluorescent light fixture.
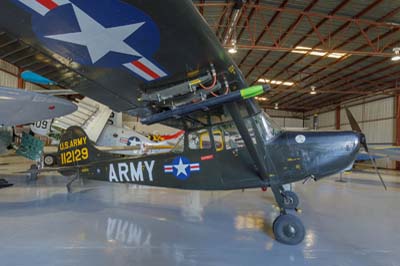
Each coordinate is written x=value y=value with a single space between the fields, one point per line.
x=313 y=91
x=288 y=83
x=233 y=49
x=276 y=106
x=277 y=82
x=396 y=56
x=262 y=99
x=316 y=52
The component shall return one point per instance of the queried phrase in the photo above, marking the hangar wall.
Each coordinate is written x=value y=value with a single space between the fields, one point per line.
x=285 y=119
x=9 y=77
x=377 y=120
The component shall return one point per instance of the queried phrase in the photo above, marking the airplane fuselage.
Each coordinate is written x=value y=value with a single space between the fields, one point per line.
x=293 y=156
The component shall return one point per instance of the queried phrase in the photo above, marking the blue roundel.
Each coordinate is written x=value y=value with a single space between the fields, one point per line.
x=181 y=167
x=105 y=33
x=133 y=141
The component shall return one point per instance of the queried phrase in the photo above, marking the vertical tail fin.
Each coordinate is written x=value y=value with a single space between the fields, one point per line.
x=75 y=148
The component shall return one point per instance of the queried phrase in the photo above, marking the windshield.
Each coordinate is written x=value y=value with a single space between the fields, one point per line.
x=267 y=128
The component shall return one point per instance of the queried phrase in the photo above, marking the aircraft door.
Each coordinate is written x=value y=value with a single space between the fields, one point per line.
x=201 y=149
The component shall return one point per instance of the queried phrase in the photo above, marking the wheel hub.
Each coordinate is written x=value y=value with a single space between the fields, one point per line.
x=289 y=230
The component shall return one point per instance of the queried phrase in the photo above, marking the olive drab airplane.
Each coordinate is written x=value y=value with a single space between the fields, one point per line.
x=136 y=58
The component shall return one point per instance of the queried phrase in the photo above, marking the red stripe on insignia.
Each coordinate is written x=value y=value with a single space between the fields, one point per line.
x=207 y=157
x=48 y=4
x=145 y=69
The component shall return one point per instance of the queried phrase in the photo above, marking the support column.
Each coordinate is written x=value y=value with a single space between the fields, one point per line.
x=397 y=126
x=337 y=120
x=21 y=83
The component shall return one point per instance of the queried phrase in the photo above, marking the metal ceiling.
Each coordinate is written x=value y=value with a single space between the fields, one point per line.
x=267 y=31
x=26 y=57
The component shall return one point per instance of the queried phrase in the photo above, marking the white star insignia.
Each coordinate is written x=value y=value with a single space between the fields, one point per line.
x=181 y=167
x=99 y=40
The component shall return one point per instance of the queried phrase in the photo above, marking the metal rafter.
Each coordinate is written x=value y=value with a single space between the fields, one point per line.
x=334 y=82
x=393 y=83
x=261 y=35
x=390 y=32
x=249 y=17
x=283 y=36
x=330 y=35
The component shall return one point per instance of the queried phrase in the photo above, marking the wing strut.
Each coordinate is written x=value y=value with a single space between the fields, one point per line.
x=245 y=134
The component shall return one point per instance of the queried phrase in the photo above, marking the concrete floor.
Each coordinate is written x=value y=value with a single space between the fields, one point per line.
x=353 y=223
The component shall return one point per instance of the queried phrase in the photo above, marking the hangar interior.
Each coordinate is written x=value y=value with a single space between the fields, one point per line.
x=319 y=58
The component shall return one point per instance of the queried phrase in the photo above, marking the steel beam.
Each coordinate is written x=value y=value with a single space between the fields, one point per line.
x=337 y=117
x=397 y=126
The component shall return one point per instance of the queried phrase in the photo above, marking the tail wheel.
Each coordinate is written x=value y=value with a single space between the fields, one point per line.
x=290 y=200
x=288 y=229
x=49 y=160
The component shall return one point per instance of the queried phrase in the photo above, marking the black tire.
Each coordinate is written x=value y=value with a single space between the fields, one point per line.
x=49 y=160
x=288 y=229
x=290 y=200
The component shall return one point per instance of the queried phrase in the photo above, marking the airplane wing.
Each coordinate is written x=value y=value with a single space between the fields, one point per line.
x=391 y=152
x=131 y=55
x=22 y=107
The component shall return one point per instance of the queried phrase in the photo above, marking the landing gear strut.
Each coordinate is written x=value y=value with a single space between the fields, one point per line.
x=287 y=228
x=74 y=178
x=290 y=200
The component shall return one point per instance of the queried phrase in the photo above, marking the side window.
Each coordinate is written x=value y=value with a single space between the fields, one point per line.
x=233 y=140
x=179 y=147
x=218 y=138
x=199 y=140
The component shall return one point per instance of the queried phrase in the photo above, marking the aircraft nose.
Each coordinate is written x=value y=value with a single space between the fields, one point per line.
x=359 y=138
x=354 y=141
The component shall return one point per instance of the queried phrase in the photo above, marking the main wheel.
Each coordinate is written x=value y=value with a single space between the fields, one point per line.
x=288 y=229
x=49 y=160
x=290 y=200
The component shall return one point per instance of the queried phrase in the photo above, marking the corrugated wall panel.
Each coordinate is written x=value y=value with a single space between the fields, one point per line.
x=31 y=86
x=308 y=122
x=327 y=128
x=380 y=131
x=8 y=67
x=326 y=120
x=379 y=109
x=8 y=80
x=293 y=122
x=280 y=121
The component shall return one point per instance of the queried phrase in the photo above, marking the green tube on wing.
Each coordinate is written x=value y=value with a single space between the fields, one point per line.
x=253 y=91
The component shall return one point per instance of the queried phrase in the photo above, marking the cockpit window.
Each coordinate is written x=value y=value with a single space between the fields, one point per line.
x=265 y=126
x=178 y=148
x=199 y=140
x=233 y=140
